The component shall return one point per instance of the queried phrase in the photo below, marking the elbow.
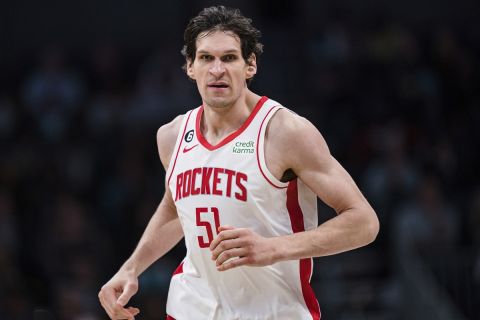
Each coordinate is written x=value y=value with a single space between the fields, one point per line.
x=372 y=227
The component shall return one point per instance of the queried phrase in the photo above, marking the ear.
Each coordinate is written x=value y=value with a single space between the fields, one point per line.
x=190 y=71
x=252 y=66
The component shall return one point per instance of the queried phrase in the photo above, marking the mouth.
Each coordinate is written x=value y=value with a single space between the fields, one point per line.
x=218 y=85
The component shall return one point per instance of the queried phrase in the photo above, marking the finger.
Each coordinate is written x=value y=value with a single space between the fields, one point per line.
x=226 y=245
x=121 y=313
x=105 y=306
x=133 y=311
x=226 y=227
x=108 y=300
x=129 y=290
x=233 y=263
x=230 y=254
x=224 y=235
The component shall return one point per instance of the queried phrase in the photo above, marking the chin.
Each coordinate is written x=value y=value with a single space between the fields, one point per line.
x=218 y=102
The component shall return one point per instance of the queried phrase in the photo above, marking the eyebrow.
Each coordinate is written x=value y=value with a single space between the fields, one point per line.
x=225 y=52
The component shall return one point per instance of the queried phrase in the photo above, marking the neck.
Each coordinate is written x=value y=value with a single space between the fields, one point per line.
x=219 y=122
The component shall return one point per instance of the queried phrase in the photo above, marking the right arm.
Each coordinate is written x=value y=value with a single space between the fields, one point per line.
x=162 y=233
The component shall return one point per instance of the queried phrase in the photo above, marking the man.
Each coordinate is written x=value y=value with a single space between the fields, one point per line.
x=242 y=177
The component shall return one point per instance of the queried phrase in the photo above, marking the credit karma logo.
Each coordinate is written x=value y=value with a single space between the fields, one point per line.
x=244 y=147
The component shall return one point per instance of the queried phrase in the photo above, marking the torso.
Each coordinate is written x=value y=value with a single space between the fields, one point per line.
x=229 y=183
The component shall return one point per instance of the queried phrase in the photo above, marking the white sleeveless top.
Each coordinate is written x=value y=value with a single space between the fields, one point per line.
x=229 y=184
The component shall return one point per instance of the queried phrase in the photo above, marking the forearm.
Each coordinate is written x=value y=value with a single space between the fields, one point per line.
x=162 y=233
x=349 y=230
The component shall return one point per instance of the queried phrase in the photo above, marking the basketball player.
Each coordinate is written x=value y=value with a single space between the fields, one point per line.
x=242 y=177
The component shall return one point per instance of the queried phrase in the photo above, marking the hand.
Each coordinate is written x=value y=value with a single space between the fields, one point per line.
x=238 y=247
x=116 y=293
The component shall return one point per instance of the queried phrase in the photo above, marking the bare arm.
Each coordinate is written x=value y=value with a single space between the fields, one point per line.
x=298 y=145
x=163 y=231
x=161 y=234
x=356 y=223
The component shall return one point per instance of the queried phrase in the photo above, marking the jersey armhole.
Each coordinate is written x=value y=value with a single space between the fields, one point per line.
x=178 y=144
x=262 y=164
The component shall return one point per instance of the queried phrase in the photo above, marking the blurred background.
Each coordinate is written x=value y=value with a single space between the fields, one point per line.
x=393 y=86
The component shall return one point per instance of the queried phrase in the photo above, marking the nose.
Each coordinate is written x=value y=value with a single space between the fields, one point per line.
x=217 y=69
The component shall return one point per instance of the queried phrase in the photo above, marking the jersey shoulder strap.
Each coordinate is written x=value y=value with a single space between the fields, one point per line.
x=182 y=137
x=269 y=110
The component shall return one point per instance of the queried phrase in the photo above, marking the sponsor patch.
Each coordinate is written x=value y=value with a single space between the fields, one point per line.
x=244 y=147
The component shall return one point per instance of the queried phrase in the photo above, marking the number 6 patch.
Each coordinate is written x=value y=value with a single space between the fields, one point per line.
x=189 y=135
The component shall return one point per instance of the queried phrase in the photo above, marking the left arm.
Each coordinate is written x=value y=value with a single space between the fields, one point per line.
x=298 y=145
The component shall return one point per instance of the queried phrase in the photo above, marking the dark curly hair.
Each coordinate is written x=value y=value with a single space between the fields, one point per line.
x=223 y=19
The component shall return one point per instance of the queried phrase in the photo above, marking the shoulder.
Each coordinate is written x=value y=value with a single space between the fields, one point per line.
x=166 y=139
x=289 y=127
x=296 y=140
x=287 y=121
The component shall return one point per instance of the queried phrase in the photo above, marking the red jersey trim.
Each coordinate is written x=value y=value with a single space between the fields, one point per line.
x=179 y=146
x=179 y=269
x=296 y=219
x=231 y=136
x=258 y=153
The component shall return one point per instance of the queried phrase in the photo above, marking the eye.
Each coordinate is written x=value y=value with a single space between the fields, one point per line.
x=229 y=57
x=205 y=57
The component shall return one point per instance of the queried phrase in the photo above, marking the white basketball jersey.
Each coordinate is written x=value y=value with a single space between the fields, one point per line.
x=229 y=184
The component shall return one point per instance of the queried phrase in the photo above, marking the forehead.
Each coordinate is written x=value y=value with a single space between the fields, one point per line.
x=218 y=41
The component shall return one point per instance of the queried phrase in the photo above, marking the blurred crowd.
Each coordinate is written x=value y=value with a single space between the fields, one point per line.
x=80 y=175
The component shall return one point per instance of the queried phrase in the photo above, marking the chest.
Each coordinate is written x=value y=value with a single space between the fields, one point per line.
x=227 y=172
